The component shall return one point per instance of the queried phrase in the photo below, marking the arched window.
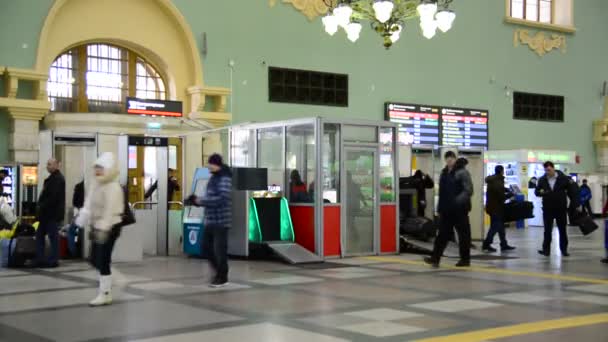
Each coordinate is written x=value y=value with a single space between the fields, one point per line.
x=98 y=78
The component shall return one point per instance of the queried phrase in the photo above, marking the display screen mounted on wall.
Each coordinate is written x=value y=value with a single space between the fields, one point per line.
x=417 y=124
x=154 y=107
x=464 y=127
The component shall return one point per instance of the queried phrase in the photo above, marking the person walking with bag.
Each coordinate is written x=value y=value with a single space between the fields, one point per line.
x=51 y=209
x=103 y=210
x=455 y=191
x=217 y=202
x=495 y=207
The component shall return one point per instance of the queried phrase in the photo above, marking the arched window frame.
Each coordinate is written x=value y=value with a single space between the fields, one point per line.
x=98 y=77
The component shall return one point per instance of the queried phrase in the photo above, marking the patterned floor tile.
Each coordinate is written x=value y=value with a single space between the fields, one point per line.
x=141 y=317
x=119 y=277
x=382 y=329
x=332 y=321
x=383 y=314
x=600 y=289
x=286 y=280
x=456 y=305
x=523 y=298
x=55 y=299
x=513 y=314
x=27 y=283
x=432 y=323
x=259 y=332
x=596 y=300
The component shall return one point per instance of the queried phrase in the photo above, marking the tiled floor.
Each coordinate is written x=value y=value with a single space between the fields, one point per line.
x=392 y=298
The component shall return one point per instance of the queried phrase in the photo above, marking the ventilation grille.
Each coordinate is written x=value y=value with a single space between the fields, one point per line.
x=307 y=87
x=538 y=107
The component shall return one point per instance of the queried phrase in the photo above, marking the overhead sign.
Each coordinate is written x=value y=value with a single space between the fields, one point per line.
x=154 y=107
x=464 y=127
x=417 y=124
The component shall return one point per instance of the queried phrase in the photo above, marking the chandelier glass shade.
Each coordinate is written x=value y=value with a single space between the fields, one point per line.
x=387 y=17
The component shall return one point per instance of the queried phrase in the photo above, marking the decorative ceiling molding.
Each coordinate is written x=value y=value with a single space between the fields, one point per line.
x=310 y=8
x=539 y=43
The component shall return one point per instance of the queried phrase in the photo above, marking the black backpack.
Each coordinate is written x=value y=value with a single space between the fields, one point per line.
x=24 y=229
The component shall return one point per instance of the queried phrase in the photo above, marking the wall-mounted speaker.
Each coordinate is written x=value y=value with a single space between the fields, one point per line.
x=605 y=89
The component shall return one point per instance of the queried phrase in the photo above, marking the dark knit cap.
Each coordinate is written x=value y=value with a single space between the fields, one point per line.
x=216 y=159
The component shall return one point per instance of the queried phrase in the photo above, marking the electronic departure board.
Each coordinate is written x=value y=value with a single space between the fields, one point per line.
x=417 y=124
x=464 y=127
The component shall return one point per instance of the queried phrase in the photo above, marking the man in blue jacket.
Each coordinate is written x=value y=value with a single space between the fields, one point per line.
x=217 y=202
x=455 y=191
x=586 y=196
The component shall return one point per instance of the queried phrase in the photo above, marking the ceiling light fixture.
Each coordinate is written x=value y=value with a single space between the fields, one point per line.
x=387 y=17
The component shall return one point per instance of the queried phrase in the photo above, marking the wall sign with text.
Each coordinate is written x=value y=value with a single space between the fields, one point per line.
x=439 y=126
x=417 y=124
x=464 y=127
x=154 y=107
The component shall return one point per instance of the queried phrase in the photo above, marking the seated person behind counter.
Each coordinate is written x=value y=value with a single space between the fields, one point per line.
x=297 y=188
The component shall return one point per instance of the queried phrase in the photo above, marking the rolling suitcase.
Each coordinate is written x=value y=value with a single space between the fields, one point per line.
x=516 y=211
x=587 y=225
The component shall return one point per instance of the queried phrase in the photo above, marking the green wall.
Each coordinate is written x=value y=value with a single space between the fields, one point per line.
x=469 y=66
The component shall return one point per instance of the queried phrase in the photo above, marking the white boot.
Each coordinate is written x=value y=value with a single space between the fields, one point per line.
x=104 y=297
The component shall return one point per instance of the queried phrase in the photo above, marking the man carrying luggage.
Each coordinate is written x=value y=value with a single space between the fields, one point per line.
x=555 y=188
x=455 y=191
x=51 y=209
x=495 y=207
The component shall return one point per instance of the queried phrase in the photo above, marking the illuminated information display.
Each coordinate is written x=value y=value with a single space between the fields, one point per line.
x=464 y=127
x=417 y=124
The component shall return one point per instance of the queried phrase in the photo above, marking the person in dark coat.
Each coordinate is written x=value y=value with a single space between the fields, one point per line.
x=51 y=211
x=455 y=191
x=422 y=182
x=495 y=207
x=218 y=217
x=555 y=188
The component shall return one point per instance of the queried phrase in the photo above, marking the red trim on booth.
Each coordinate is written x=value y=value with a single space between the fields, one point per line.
x=303 y=220
x=331 y=230
x=388 y=228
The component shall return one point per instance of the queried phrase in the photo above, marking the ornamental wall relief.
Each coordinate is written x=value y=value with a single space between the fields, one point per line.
x=539 y=43
x=310 y=8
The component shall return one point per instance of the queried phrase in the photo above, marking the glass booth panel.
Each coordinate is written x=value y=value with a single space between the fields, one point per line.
x=270 y=155
x=387 y=161
x=242 y=148
x=364 y=134
x=331 y=163
x=360 y=192
x=300 y=163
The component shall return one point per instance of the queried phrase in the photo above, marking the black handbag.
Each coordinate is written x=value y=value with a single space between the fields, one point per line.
x=127 y=217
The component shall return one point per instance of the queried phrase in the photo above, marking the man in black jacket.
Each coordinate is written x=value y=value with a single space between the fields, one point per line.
x=455 y=191
x=51 y=209
x=496 y=196
x=555 y=188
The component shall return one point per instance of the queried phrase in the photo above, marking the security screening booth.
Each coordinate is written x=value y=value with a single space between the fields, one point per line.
x=333 y=180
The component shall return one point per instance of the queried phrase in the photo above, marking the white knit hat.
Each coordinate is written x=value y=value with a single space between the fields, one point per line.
x=106 y=160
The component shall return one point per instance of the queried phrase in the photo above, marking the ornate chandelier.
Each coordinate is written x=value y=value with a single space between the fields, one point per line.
x=387 y=17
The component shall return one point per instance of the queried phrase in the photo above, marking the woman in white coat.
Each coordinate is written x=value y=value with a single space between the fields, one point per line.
x=102 y=211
